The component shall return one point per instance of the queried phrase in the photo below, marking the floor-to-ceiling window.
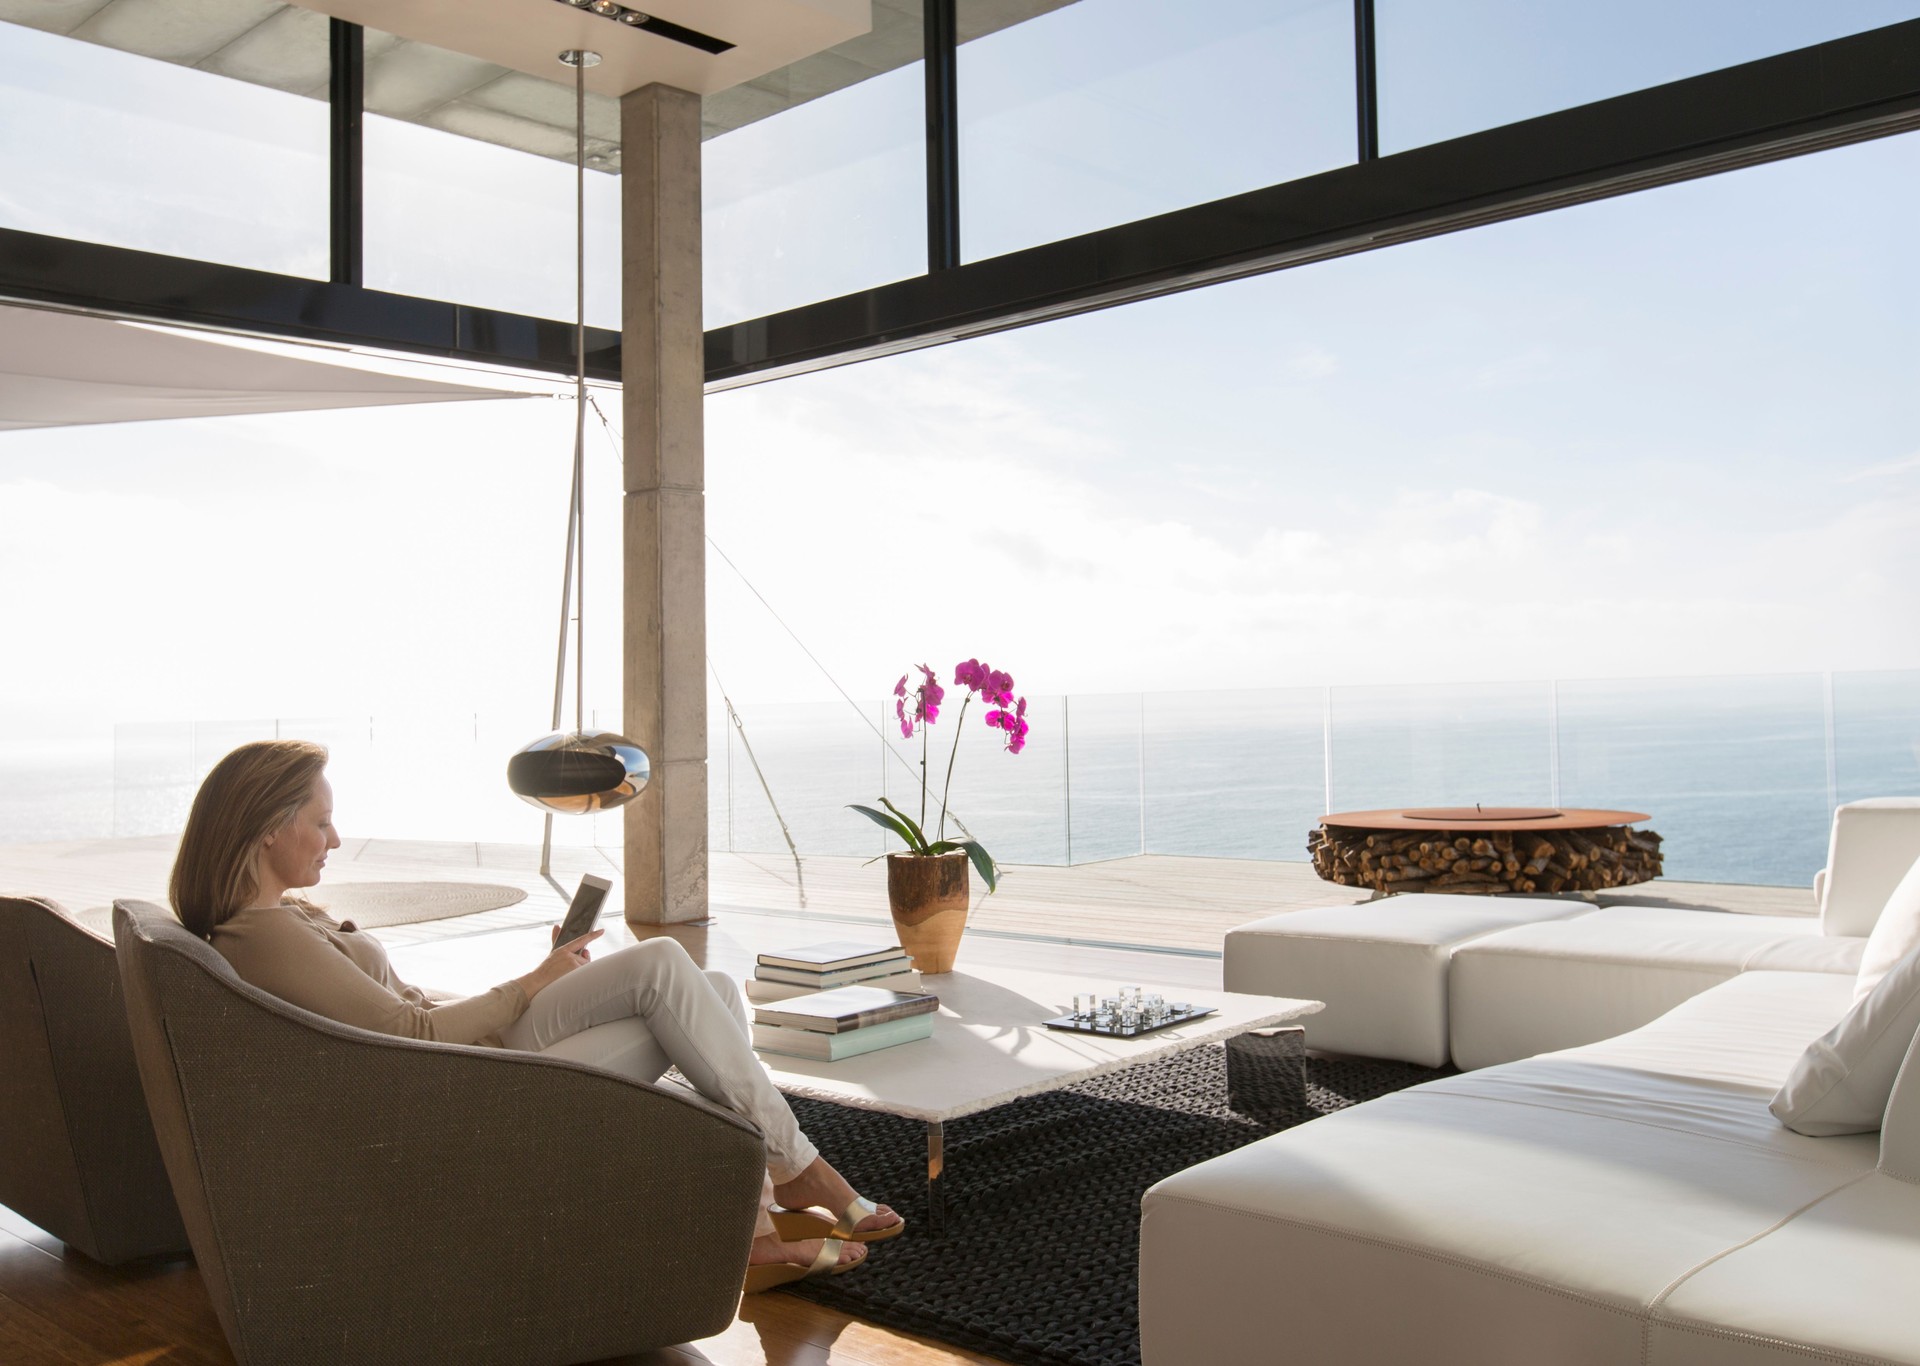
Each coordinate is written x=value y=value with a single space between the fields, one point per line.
x=1616 y=506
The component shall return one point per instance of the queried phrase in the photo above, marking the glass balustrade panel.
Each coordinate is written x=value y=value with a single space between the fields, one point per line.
x=1876 y=734
x=56 y=781
x=1234 y=774
x=1445 y=744
x=1014 y=804
x=812 y=758
x=1731 y=771
x=1105 y=772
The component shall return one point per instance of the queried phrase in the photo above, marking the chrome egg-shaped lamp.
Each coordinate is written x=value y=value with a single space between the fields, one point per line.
x=576 y=772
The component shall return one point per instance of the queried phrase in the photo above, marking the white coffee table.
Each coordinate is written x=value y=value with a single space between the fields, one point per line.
x=990 y=1047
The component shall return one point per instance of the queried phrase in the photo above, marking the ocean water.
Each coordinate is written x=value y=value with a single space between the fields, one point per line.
x=1739 y=775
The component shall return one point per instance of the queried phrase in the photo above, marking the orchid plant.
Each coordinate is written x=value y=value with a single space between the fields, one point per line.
x=917 y=709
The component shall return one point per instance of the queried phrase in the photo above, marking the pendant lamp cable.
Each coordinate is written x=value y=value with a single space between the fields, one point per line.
x=573 y=579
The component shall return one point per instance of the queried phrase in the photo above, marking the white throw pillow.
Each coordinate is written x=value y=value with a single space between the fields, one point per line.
x=1895 y=934
x=1843 y=1081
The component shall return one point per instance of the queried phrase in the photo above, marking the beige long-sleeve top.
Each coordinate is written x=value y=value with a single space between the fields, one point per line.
x=306 y=958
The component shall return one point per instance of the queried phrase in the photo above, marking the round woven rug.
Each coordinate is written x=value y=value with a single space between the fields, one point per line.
x=373 y=905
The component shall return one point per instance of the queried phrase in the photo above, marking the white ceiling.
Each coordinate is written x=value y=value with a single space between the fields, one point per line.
x=447 y=82
x=69 y=369
x=526 y=35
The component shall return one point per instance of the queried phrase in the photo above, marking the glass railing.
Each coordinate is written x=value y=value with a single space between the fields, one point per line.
x=1740 y=774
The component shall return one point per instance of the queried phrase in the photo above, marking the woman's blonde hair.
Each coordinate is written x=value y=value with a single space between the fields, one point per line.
x=251 y=793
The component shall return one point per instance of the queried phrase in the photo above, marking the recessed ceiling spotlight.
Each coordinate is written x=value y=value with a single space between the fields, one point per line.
x=651 y=24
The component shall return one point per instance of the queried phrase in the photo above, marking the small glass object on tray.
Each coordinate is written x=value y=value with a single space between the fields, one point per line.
x=1127 y=1014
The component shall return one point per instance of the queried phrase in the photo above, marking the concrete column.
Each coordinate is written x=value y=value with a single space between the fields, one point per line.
x=664 y=645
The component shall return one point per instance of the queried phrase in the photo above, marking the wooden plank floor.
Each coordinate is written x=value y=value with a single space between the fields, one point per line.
x=59 y=1309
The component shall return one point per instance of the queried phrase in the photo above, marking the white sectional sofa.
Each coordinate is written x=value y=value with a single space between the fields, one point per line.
x=1631 y=1201
x=1483 y=980
x=1606 y=1186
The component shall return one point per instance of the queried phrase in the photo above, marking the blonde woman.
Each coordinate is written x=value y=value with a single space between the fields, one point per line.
x=261 y=828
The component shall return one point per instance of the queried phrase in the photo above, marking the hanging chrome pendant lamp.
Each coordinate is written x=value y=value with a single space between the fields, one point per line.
x=577 y=771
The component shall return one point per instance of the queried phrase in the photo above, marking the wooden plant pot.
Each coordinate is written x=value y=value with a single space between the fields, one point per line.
x=928 y=895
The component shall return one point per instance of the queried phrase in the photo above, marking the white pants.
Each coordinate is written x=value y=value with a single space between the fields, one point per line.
x=640 y=1009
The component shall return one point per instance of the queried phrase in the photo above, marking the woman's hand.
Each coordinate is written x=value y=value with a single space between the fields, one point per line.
x=585 y=957
x=564 y=959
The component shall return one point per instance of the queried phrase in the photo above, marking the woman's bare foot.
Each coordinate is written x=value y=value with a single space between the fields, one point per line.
x=820 y=1185
x=772 y=1250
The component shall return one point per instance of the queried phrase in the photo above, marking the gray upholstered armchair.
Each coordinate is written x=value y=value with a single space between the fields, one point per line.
x=353 y=1197
x=77 y=1152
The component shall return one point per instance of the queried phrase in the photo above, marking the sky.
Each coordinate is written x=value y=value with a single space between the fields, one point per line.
x=1675 y=433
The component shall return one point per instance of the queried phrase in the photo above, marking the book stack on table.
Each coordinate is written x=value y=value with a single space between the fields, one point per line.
x=821 y=967
x=841 y=1023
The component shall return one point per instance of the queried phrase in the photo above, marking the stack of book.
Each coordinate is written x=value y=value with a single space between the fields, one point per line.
x=843 y=1022
x=821 y=967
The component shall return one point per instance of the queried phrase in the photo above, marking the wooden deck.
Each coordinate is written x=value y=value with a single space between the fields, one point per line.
x=1151 y=901
x=1151 y=919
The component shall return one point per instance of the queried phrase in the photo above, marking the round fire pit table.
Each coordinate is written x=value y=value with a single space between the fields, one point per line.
x=1488 y=850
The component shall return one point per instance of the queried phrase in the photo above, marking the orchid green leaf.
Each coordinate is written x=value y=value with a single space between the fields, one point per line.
x=982 y=864
x=905 y=831
x=919 y=835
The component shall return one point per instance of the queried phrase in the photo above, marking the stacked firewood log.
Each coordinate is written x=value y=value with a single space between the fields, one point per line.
x=1488 y=862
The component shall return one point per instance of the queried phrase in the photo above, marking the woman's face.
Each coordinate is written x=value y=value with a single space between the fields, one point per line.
x=293 y=855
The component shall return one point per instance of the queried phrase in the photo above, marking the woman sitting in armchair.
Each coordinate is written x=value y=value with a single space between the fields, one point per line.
x=262 y=826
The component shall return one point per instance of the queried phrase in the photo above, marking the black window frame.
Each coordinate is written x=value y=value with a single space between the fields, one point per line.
x=1847 y=90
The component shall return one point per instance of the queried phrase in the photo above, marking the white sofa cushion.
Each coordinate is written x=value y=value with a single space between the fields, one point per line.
x=1873 y=844
x=1895 y=934
x=1748 y=1032
x=1542 y=987
x=1381 y=966
x=1834 y=1283
x=1842 y=1082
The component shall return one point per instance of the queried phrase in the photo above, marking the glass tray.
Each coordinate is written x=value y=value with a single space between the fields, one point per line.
x=1073 y=1024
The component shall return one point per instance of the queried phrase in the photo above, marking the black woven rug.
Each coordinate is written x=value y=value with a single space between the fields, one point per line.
x=1040 y=1263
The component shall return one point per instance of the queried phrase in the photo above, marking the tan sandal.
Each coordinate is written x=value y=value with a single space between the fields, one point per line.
x=796 y=1224
x=763 y=1278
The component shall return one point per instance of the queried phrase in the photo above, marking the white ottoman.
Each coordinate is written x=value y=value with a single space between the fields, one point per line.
x=1380 y=966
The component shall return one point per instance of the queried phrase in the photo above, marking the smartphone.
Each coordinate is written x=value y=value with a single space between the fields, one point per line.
x=584 y=908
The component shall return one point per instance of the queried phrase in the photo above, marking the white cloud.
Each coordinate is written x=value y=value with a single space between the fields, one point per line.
x=935 y=542
x=1885 y=469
